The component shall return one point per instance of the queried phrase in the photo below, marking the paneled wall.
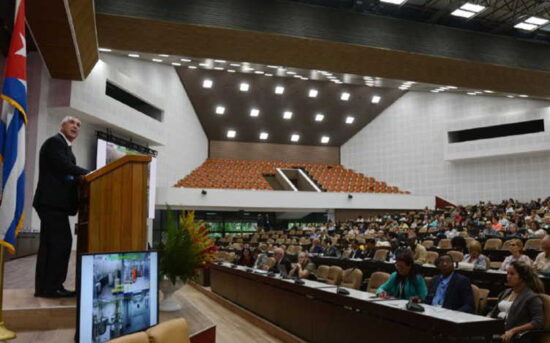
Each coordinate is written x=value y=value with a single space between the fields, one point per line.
x=277 y=152
x=406 y=145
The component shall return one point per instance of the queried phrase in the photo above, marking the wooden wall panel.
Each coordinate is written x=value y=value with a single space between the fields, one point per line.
x=276 y=152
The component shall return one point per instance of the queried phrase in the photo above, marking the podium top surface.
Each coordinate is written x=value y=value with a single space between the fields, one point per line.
x=116 y=164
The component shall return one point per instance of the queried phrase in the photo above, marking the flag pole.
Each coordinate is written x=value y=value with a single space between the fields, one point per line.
x=5 y=333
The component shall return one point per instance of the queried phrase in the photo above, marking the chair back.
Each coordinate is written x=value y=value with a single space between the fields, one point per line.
x=533 y=244
x=483 y=296
x=477 y=296
x=493 y=244
x=445 y=244
x=428 y=244
x=172 y=331
x=381 y=255
x=352 y=278
x=138 y=337
x=322 y=272
x=376 y=280
x=456 y=255
x=431 y=256
x=334 y=276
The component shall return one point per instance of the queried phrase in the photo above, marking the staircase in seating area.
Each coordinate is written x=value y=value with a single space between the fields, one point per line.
x=240 y=174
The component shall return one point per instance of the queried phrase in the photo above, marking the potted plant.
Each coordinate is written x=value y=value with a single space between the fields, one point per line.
x=183 y=250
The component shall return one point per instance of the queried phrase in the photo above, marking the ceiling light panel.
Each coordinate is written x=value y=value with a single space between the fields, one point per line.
x=207 y=83
x=313 y=93
x=254 y=112
x=295 y=138
x=376 y=99
x=287 y=115
x=472 y=7
x=220 y=110
x=394 y=2
x=463 y=14
x=264 y=136
x=279 y=90
x=105 y=50
x=325 y=139
x=537 y=21
x=350 y=120
x=244 y=87
x=345 y=96
x=319 y=117
x=133 y=55
x=231 y=133
x=526 y=27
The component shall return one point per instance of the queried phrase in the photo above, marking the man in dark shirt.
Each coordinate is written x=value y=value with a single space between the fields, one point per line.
x=55 y=199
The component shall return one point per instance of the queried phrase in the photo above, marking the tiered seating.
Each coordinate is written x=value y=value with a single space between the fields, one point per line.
x=238 y=174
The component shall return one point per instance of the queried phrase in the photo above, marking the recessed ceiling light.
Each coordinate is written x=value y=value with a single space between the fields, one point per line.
x=295 y=137
x=258 y=72
x=105 y=50
x=231 y=133
x=186 y=60
x=235 y=64
x=394 y=2
x=133 y=55
x=462 y=13
x=204 y=65
x=230 y=70
x=287 y=115
x=164 y=55
x=345 y=96
x=536 y=21
x=176 y=64
x=218 y=68
x=264 y=135
x=247 y=69
x=291 y=72
x=472 y=7
x=350 y=120
x=471 y=93
x=207 y=83
x=510 y=96
x=319 y=117
x=156 y=60
x=375 y=99
x=488 y=91
x=435 y=91
x=313 y=93
x=526 y=27
x=192 y=67
x=279 y=90
x=220 y=110
x=523 y=96
x=273 y=67
x=244 y=87
x=325 y=139
x=220 y=61
x=254 y=112
x=269 y=75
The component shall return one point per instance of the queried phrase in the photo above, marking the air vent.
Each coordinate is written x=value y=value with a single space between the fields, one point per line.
x=133 y=101
x=505 y=130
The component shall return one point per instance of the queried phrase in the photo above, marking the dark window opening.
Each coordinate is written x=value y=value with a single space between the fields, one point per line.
x=133 y=101
x=496 y=131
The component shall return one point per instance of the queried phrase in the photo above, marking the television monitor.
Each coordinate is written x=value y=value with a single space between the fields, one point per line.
x=118 y=294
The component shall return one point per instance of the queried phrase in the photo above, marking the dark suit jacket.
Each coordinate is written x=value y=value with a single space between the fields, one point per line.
x=459 y=296
x=527 y=308
x=285 y=261
x=57 y=177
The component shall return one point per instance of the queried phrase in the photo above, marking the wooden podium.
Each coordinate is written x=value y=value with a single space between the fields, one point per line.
x=113 y=207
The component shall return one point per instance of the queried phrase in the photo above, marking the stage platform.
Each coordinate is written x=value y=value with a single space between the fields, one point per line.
x=24 y=312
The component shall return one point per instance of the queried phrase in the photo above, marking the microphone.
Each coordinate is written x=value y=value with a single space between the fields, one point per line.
x=340 y=290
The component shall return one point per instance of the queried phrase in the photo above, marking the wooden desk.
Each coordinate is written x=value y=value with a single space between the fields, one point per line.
x=316 y=313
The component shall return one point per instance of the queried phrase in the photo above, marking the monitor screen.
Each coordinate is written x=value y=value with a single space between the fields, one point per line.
x=118 y=294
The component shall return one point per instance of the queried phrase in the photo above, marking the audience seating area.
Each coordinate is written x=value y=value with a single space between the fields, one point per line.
x=238 y=174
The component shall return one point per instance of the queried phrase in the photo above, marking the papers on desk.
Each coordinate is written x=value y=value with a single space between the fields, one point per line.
x=496 y=271
x=439 y=312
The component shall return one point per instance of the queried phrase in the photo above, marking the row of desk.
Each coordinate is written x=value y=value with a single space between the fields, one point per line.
x=315 y=311
x=493 y=280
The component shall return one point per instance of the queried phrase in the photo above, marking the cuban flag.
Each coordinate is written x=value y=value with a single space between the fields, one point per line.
x=12 y=134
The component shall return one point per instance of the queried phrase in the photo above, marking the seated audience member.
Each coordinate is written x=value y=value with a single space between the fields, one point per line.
x=515 y=247
x=347 y=249
x=280 y=260
x=496 y=224
x=535 y=230
x=303 y=269
x=542 y=262
x=546 y=223
x=261 y=260
x=370 y=248
x=450 y=290
x=489 y=232
x=459 y=244
x=513 y=232
x=246 y=258
x=330 y=249
x=405 y=283
x=520 y=306
x=419 y=251
x=316 y=247
x=475 y=257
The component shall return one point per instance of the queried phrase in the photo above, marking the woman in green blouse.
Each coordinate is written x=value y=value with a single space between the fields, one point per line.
x=405 y=283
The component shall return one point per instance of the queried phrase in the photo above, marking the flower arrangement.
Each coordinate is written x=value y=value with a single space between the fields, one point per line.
x=185 y=248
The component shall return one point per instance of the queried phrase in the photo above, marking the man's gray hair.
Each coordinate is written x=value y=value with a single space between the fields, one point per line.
x=66 y=119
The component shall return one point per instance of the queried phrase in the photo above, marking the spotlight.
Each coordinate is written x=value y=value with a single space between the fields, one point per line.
x=203 y=192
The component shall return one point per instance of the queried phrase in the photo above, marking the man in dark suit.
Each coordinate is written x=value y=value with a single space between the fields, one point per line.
x=450 y=290
x=280 y=260
x=55 y=199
